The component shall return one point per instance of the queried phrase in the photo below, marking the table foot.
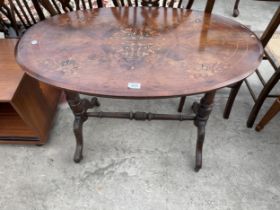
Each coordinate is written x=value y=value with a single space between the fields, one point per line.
x=199 y=146
x=79 y=108
x=203 y=110
x=78 y=131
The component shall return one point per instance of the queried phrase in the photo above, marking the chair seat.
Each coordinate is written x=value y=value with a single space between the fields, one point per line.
x=273 y=48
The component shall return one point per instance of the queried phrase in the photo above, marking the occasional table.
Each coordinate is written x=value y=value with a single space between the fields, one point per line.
x=139 y=53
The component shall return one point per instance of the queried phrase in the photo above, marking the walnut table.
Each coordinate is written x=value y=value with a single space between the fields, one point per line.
x=139 y=53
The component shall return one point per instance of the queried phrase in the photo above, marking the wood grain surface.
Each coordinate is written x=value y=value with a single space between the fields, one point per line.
x=170 y=52
x=27 y=106
x=10 y=72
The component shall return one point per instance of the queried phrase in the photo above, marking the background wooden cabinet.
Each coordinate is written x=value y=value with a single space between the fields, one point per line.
x=27 y=106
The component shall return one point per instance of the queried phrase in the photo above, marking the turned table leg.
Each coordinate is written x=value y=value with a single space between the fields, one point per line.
x=202 y=110
x=79 y=107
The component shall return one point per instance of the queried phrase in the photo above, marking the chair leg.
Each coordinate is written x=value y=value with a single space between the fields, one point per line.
x=264 y=93
x=236 y=10
x=274 y=109
x=189 y=5
x=182 y=103
x=233 y=92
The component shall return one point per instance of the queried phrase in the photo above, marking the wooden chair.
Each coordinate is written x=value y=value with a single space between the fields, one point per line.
x=272 y=54
x=27 y=107
x=3 y=27
x=61 y=6
x=275 y=62
x=19 y=16
x=274 y=109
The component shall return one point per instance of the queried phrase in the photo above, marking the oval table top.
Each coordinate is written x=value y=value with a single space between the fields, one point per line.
x=139 y=52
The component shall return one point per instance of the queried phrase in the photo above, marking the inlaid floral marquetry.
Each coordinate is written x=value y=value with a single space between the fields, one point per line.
x=170 y=52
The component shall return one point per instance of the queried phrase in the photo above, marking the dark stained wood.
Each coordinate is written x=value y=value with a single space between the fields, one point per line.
x=233 y=93
x=265 y=38
x=209 y=6
x=50 y=8
x=171 y=52
x=271 y=28
x=203 y=111
x=274 y=109
x=140 y=116
x=27 y=106
x=39 y=9
x=189 y=4
x=20 y=15
x=61 y=6
x=3 y=27
x=273 y=80
x=236 y=9
x=208 y=9
x=270 y=44
x=79 y=108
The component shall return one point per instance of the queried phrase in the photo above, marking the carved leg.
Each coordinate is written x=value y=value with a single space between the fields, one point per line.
x=182 y=103
x=79 y=107
x=233 y=92
x=236 y=10
x=203 y=112
x=78 y=131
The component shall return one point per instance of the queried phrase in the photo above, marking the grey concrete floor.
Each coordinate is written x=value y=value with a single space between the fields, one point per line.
x=131 y=165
